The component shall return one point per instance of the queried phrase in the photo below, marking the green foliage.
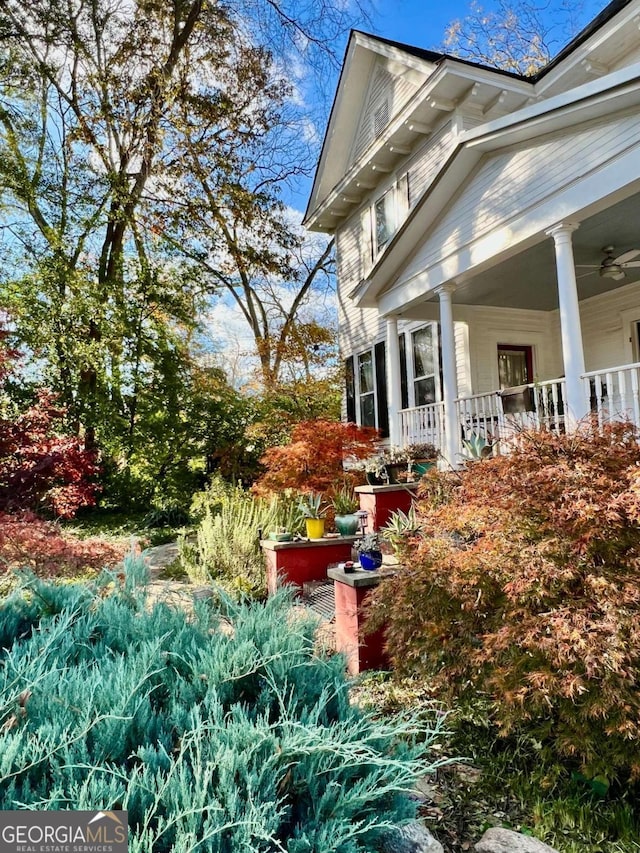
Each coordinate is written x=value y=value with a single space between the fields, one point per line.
x=525 y=584
x=476 y=447
x=344 y=500
x=400 y=531
x=226 y=549
x=311 y=505
x=222 y=730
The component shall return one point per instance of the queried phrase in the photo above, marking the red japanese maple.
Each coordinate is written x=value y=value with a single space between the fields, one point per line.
x=41 y=467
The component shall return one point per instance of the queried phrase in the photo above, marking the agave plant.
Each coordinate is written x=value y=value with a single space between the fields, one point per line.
x=476 y=447
x=400 y=526
x=311 y=505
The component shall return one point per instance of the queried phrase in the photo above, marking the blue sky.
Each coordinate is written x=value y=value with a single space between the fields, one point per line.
x=415 y=21
x=423 y=23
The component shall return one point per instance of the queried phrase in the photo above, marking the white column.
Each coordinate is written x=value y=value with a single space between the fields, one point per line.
x=572 y=350
x=394 y=389
x=449 y=374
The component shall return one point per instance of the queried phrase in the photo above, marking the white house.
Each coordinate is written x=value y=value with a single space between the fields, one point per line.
x=487 y=232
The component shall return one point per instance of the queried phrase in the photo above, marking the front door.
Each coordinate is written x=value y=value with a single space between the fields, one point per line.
x=515 y=365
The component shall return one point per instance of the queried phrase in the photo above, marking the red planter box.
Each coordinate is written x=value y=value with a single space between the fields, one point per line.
x=363 y=651
x=299 y=562
x=381 y=501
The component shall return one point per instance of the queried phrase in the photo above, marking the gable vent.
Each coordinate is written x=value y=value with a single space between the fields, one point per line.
x=380 y=118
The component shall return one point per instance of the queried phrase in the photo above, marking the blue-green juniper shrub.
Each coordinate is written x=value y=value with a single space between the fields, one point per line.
x=221 y=730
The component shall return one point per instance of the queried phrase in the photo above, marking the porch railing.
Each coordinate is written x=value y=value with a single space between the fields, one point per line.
x=423 y=424
x=613 y=394
x=484 y=415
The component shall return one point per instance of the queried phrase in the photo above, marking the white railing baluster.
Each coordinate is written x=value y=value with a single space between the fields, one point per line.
x=635 y=396
x=613 y=393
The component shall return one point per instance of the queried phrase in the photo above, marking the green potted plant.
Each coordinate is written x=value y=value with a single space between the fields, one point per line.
x=422 y=457
x=345 y=505
x=400 y=529
x=369 y=553
x=313 y=512
x=280 y=534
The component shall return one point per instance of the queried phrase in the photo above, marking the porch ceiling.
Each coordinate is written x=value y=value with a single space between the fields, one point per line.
x=528 y=280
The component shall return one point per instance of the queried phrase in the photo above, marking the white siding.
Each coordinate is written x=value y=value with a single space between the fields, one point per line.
x=489 y=327
x=426 y=163
x=357 y=327
x=353 y=239
x=607 y=326
x=510 y=182
x=384 y=86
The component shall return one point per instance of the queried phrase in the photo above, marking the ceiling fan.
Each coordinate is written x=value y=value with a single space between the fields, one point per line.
x=612 y=267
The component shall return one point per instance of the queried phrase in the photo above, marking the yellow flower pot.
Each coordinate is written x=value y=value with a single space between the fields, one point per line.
x=315 y=528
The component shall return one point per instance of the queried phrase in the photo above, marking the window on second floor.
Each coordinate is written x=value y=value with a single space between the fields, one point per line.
x=389 y=212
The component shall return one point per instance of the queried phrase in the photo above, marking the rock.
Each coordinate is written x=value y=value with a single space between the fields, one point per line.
x=498 y=840
x=411 y=838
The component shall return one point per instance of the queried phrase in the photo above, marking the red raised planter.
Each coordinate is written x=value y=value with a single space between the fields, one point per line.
x=381 y=501
x=362 y=650
x=299 y=562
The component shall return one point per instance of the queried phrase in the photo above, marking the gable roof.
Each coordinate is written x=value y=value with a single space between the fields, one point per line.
x=333 y=164
x=594 y=100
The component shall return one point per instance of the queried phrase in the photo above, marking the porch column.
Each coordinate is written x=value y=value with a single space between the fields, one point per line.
x=449 y=373
x=394 y=390
x=571 y=331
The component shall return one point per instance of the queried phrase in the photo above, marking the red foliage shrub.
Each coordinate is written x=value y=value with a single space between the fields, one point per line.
x=28 y=542
x=40 y=468
x=525 y=584
x=313 y=461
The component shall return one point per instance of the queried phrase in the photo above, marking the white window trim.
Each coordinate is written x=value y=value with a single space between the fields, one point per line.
x=399 y=210
x=411 y=375
x=374 y=393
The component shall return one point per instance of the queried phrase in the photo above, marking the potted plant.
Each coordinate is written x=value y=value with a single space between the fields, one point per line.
x=280 y=534
x=396 y=460
x=368 y=548
x=422 y=457
x=375 y=471
x=345 y=505
x=313 y=512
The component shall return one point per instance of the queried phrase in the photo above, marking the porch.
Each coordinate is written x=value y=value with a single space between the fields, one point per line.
x=611 y=394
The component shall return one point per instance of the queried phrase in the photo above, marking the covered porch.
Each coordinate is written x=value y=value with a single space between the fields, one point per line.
x=611 y=394
x=577 y=316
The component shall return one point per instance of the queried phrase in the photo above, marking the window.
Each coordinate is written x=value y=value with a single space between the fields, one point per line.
x=389 y=211
x=425 y=366
x=515 y=365
x=384 y=219
x=366 y=389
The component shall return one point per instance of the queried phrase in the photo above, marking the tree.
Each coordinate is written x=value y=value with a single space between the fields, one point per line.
x=518 y=35
x=41 y=468
x=225 y=214
x=523 y=585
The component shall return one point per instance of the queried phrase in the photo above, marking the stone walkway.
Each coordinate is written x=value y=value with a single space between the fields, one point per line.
x=179 y=593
